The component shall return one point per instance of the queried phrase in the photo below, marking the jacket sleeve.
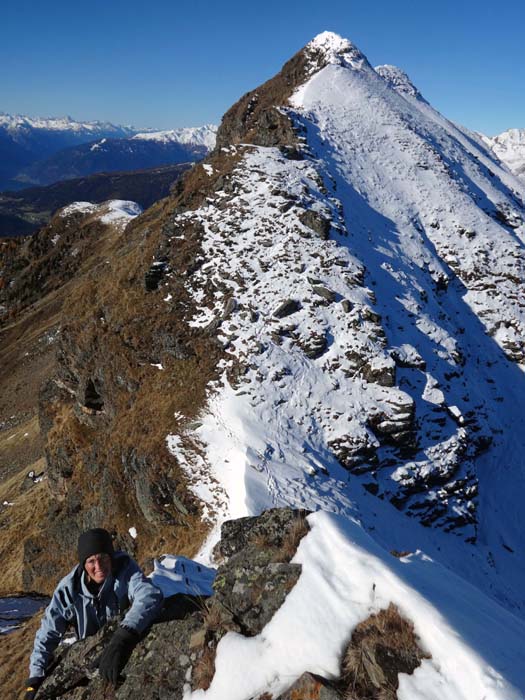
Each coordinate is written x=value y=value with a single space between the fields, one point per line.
x=54 y=623
x=145 y=598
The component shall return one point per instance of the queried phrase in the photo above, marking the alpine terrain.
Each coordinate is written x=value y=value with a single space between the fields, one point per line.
x=324 y=323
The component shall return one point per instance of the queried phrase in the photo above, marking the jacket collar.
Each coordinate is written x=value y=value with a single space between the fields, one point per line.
x=107 y=585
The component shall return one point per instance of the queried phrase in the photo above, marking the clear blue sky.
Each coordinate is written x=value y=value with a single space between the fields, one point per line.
x=167 y=64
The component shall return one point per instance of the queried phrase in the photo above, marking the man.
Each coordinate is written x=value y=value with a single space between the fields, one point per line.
x=103 y=584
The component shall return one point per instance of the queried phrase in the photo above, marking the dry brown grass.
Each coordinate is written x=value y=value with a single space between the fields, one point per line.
x=294 y=534
x=204 y=669
x=15 y=649
x=18 y=522
x=382 y=646
x=399 y=554
x=213 y=618
x=93 y=452
x=19 y=447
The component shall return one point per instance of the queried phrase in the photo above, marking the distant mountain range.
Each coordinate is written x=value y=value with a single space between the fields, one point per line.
x=24 y=211
x=43 y=151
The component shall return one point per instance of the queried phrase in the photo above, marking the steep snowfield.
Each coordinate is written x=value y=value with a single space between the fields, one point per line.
x=198 y=136
x=510 y=149
x=371 y=302
x=475 y=645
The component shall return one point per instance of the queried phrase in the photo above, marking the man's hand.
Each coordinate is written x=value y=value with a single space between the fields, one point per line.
x=116 y=654
x=32 y=685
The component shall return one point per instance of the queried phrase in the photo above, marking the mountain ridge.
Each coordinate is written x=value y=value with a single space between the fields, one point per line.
x=326 y=314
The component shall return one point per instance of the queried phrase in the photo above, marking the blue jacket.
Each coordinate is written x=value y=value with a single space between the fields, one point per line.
x=72 y=603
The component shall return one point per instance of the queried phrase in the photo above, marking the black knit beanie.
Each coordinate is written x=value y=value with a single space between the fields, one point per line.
x=96 y=541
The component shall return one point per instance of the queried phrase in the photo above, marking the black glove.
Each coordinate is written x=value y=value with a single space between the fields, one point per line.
x=116 y=654
x=32 y=685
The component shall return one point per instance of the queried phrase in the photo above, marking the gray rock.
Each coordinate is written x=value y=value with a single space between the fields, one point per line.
x=324 y=293
x=288 y=307
x=317 y=222
x=314 y=345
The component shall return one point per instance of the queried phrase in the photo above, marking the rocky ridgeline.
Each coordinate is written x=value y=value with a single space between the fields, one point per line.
x=277 y=283
x=252 y=583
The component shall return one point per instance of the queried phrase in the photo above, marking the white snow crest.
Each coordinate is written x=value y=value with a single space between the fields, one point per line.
x=120 y=211
x=197 y=136
x=475 y=646
x=19 y=122
x=116 y=212
x=398 y=80
x=334 y=49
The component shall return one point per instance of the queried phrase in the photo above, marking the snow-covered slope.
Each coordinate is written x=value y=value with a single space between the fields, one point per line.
x=474 y=645
x=370 y=300
x=198 y=136
x=510 y=149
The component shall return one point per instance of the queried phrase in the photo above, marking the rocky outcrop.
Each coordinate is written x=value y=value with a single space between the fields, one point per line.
x=259 y=118
x=251 y=585
x=178 y=653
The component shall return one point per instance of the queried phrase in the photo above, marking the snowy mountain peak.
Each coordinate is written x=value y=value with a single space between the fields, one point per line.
x=198 y=136
x=364 y=262
x=398 y=80
x=334 y=49
x=330 y=43
x=510 y=149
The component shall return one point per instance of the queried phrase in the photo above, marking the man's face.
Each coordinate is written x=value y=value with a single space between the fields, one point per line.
x=98 y=567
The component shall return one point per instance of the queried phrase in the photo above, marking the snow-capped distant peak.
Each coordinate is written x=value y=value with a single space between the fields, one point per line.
x=197 y=136
x=333 y=48
x=398 y=80
x=67 y=123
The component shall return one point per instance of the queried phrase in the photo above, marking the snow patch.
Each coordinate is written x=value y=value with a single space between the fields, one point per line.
x=345 y=578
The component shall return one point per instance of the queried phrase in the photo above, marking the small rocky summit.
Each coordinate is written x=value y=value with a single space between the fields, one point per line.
x=255 y=575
